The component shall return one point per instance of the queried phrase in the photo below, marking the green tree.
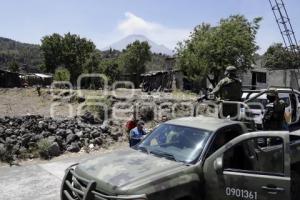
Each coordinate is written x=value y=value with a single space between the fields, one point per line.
x=278 y=57
x=70 y=51
x=75 y=53
x=110 y=67
x=52 y=51
x=92 y=64
x=134 y=58
x=209 y=50
x=14 y=66
x=62 y=74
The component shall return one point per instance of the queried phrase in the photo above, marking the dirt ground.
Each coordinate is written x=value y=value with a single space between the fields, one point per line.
x=20 y=101
x=68 y=155
x=40 y=179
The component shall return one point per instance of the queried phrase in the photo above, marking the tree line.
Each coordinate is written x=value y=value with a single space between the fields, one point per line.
x=204 y=54
x=70 y=55
x=210 y=49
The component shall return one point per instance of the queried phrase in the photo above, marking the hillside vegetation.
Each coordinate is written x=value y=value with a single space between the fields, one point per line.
x=28 y=57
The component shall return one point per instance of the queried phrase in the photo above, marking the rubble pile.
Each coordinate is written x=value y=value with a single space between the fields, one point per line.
x=34 y=136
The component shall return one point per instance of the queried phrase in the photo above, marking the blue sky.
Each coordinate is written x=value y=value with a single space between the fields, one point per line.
x=106 y=21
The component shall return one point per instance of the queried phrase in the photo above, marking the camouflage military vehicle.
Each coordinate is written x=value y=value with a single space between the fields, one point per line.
x=193 y=158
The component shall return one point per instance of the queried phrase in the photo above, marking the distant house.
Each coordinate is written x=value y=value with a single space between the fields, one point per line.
x=9 y=79
x=259 y=77
x=255 y=79
x=165 y=80
x=37 y=79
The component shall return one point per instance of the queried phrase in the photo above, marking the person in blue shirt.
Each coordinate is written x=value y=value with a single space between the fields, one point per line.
x=137 y=134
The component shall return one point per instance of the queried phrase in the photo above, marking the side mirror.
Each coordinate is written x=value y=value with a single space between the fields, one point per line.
x=218 y=165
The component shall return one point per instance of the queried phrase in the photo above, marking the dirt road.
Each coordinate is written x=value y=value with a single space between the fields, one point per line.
x=40 y=180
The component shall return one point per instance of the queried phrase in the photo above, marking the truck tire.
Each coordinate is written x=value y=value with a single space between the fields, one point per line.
x=295 y=185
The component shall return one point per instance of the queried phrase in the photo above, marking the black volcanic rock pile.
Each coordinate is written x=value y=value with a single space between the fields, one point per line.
x=34 y=136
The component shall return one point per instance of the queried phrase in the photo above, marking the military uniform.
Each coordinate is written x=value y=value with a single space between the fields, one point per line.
x=274 y=116
x=229 y=89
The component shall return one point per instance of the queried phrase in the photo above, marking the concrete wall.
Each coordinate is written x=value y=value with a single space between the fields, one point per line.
x=179 y=80
x=246 y=79
x=283 y=78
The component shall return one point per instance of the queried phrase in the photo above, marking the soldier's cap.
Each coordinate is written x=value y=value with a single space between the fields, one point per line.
x=231 y=69
x=272 y=93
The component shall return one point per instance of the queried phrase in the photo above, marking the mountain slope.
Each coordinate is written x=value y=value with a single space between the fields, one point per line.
x=27 y=56
x=155 y=48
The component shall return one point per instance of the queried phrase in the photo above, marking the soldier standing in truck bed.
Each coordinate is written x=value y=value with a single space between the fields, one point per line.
x=229 y=89
x=274 y=115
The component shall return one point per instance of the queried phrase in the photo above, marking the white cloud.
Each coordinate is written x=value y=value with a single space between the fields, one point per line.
x=159 y=33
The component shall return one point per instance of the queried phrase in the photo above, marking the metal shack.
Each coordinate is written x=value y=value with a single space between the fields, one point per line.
x=9 y=79
x=38 y=79
x=162 y=80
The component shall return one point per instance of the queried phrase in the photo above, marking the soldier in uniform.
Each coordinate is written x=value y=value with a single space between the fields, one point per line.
x=38 y=89
x=274 y=115
x=229 y=89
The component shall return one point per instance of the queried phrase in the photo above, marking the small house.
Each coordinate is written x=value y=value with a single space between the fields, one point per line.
x=9 y=79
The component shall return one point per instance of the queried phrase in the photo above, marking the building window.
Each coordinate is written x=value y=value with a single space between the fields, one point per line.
x=261 y=77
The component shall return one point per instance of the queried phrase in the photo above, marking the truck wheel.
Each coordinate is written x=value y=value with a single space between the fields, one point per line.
x=295 y=185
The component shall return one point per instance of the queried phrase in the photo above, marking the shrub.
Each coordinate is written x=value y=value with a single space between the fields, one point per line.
x=43 y=147
x=62 y=74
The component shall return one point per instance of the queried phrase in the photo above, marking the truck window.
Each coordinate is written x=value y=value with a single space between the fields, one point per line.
x=183 y=143
x=223 y=136
x=259 y=155
x=286 y=101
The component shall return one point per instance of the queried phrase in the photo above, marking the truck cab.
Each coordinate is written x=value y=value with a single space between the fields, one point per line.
x=260 y=165
x=191 y=158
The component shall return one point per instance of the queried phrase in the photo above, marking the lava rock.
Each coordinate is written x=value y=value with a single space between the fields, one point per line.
x=116 y=135
x=1 y=130
x=52 y=127
x=79 y=134
x=8 y=132
x=25 y=139
x=61 y=132
x=95 y=134
x=45 y=134
x=99 y=141
x=71 y=138
x=54 y=150
x=74 y=147
x=88 y=118
x=2 y=150
x=36 y=138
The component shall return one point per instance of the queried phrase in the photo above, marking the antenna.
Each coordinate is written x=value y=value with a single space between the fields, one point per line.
x=284 y=25
x=286 y=29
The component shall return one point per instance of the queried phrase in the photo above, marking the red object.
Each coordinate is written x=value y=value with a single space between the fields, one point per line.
x=130 y=125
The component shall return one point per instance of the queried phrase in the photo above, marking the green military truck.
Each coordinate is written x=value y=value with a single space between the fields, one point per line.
x=193 y=158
